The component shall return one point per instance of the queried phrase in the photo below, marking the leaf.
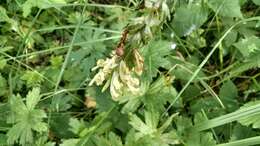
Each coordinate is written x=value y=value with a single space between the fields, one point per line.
x=228 y=93
x=201 y=139
x=149 y=132
x=70 y=142
x=257 y=2
x=250 y=120
x=159 y=93
x=103 y=100
x=242 y=132
x=26 y=119
x=248 y=45
x=76 y=126
x=61 y=102
x=253 y=61
x=187 y=19
x=185 y=68
x=3 y=139
x=140 y=126
x=3 y=63
x=42 y=4
x=32 y=78
x=32 y=98
x=112 y=140
x=56 y=61
x=4 y=16
x=192 y=137
x=226 y=8
x=3 y=85
x=60 y=125
x=154 y=57
x=22 y=132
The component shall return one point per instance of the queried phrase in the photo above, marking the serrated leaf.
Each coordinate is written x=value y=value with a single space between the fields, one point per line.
x=154 y=57
x=111 y=140
x=33 y=98
x=149 y=132
x=76 y=126
x=25 y=118
x=140 y=126
x=32 y=78
x=251 y=120
x=226 y=8
x=22 y=132
x=159 y=93
x=201 y=139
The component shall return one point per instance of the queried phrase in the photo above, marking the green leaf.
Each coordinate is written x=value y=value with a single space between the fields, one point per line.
x=201 y=139
x=188 y=19
x=3 y=85
x=70 y=142
x=32 y=98
x=76 y=126
x=61 y=102
x=184 y=69
x=112 y=140
x=226 y=8
x=4 y=16
x=60 y=125
x=251 y=120
x=140 y=126
x=25 y=118
x=3 y=139
x=159 y=93
x=103 y=100
x=228 y=93
x=154 y=57
x=241 y=132
x=42 y=4
x=32 y=78
x=248 y=45
x=149 y=132
x=257 y=2
x=253 y=61
x=56 y=61
x=190 y=136
x=3 y=63
x=22 y=132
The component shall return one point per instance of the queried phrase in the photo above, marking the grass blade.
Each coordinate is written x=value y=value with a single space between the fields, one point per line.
x=244 y=142
x=242 y=113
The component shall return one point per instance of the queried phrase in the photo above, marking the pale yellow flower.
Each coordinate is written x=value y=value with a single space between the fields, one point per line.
x=116 y=86
x=139 y=63
x=105 y=69
x=118 y=76
x=131 y=82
